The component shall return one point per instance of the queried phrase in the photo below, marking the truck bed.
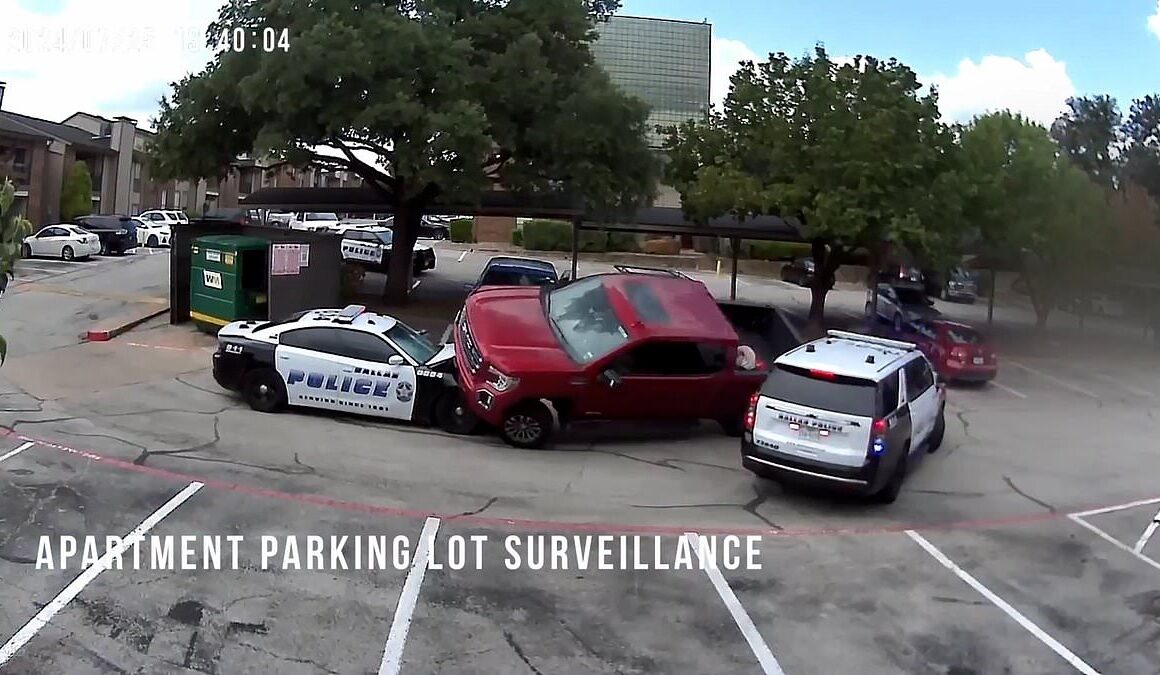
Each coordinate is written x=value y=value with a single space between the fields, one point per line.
x=766 y=329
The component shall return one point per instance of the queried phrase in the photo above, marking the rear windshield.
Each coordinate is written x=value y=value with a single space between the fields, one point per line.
x=964 y=336
x=841 y=394
x=509 y=277
x=910 y=296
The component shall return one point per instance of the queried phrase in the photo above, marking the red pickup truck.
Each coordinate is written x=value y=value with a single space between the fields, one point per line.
x=624 y=345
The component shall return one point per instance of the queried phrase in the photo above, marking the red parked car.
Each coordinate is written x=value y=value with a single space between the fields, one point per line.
x=608 y=346
x=959 y=352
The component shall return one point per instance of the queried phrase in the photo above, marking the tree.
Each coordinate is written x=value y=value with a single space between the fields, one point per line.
x=854 y=151
x=428 y=101
x=1088 y=132
x=1142 y=133
x=76 y=195
x=13 y=230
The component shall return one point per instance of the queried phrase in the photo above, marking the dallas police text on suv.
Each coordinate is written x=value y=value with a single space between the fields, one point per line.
x=347 y=360
x=848 y=411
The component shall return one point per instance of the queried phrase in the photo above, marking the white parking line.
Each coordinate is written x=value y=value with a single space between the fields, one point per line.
x=1051 y=378
x=396 y=640
x=1148 y=532
x=1009 y=390
x=1027 y=624
x=36 y=623
x=1117 y=507
x=1134 y=391
x=1078 y=520
x=769 y=664
x=17 y=451
x=462 y=256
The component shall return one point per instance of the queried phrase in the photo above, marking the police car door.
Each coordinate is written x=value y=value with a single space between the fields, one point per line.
x=383 y=383
x=311 y=364
x=923 y=398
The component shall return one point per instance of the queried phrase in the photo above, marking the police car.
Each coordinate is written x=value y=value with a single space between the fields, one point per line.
x=348 y=360
x=848 y=410
x=369 y=245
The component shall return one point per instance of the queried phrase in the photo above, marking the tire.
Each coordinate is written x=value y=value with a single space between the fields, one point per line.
x=453 y=416
x=104 y=248
x=732 y=426
x=870 y=314
x=889 y=492
x=936 y=435
x=67 y=253
x=152 y=243
x=527 y=426
x=898 y=323
x=264 y=391
x=25 y=251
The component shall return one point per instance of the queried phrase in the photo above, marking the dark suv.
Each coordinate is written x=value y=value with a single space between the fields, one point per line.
x=118 y=234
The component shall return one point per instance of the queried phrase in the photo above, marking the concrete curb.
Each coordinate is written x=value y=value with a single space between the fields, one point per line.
x=122 y=325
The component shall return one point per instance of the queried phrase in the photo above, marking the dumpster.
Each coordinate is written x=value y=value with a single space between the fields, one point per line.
x=229 y=278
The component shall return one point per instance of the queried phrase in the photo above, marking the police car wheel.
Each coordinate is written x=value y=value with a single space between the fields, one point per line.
x=264 y=391
x=936 y=436
x=527 y=426
x=152 y=243
x=732 y=426
x=889 y=492
x=453 y=416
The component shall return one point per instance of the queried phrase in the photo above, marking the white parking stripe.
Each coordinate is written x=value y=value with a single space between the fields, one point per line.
x=1134 y=391
x=1009 y=390
x=462 y=256
x=1113 y=541
x=36 y=623
x=397 y=639
x=769 y=664
x=1051 y=378
x=1148 y=532
x=1027 y=624
x=1117 y=507
x=17 y=451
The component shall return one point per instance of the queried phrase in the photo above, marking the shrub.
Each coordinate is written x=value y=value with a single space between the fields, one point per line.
x=463 y=230
x=76 y=193
x=624 y=241
x=517 y=237
x=549 y=235
x=778 y=250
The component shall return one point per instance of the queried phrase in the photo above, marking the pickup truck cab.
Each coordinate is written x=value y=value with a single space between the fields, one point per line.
x=621 y=345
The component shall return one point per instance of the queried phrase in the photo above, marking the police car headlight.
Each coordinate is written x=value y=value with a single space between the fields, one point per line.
x=499 y=381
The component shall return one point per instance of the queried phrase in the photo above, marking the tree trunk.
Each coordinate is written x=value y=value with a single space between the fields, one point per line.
x=819 y=288
x=401 y=261
x=991 y=299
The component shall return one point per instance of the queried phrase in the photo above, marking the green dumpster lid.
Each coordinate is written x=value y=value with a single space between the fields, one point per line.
x=231 y=242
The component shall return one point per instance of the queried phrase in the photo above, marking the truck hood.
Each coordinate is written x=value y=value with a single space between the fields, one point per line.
x=509 y=325
x=921 y=311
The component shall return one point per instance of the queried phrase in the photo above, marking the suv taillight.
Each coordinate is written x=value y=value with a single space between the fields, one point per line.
x=751 y=413
x=878 y=431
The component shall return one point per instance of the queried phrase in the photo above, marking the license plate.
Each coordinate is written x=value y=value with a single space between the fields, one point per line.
x=978 y=361
x=808 y=432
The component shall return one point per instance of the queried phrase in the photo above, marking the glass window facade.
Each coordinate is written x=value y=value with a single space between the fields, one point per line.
x=663 y=62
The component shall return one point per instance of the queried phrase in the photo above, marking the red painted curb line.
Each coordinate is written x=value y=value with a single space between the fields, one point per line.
x=543 y=525
x=106 y=334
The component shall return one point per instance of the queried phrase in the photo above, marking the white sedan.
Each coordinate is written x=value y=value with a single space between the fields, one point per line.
x=66 y=242
x=152 y=233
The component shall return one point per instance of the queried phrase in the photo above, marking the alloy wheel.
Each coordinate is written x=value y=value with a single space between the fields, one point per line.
x=523 y=428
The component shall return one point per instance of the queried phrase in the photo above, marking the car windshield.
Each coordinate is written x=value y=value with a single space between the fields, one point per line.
x=409 y=340
x=842 y=394
x=384 y=236
x=961 y=335
x=910 y=296
x=322 y=216
x=585 y=321
x=511 y=277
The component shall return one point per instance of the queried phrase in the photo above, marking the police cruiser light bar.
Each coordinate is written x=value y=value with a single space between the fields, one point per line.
x=350 y=313
x=872 y=339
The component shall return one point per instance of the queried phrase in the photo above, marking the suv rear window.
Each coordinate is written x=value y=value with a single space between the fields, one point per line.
x=835 y=393
x=964 y=336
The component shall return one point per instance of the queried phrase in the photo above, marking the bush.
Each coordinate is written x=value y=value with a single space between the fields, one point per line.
x=548 y=235
x=463 y=230
x=777 y=250
x=623 y=241
x=517 y=237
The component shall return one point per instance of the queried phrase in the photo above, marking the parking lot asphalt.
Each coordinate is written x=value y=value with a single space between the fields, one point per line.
x=1019 y=547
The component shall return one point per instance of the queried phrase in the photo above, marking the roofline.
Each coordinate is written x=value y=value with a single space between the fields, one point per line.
x=659 y=18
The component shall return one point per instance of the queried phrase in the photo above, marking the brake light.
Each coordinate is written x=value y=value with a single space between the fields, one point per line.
x=878 y=431
x=824 y=374
x=751 y=413
x=879 y=427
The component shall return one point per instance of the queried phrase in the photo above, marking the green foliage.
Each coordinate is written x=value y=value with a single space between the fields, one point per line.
x=776 y=250
x=76 y=192
x=1088 y=133
x=1142 y=157
x=13 y=230
x=517 y=237
x=855 y=151
x=551 y=235
x=462 y=230
x=437 y=102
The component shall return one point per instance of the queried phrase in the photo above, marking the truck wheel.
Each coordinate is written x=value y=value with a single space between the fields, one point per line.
x=936 y=435
x=527 y=426
x=889 y=493
x=264 y=391
x=732 y=426
x=453 y=416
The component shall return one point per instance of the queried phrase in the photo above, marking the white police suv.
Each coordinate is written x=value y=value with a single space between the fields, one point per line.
x=348 y=360
x=850 y=411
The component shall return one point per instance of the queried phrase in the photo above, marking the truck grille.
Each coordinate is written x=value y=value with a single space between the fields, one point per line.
x=470 y=349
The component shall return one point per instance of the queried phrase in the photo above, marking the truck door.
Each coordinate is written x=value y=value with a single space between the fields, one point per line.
x=663 y=379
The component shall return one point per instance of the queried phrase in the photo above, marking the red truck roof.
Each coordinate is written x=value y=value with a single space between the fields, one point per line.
x=667 y=307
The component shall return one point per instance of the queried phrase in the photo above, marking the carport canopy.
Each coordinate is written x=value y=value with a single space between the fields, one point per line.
x=499 y=203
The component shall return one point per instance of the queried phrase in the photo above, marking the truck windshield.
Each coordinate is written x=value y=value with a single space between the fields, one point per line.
x=585 y=321
x=417 y=346
x=848 y=395
x=322 y=216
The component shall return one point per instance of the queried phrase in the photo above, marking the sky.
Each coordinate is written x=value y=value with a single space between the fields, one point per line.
x=117 y=57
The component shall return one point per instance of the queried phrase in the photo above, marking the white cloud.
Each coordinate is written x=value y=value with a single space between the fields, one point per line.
x=114 y=57
x=1036 y=86
x=725 y=57
x=1154 y=21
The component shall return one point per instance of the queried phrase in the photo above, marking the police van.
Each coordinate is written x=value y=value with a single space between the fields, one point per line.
x=370 y=245
x=347 y=360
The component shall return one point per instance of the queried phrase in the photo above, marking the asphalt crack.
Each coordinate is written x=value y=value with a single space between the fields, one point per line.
x=476 y=512
x=507 y=636
x=752 y=505
x=288 y=659
x=1026 y=496
x=217 y=437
